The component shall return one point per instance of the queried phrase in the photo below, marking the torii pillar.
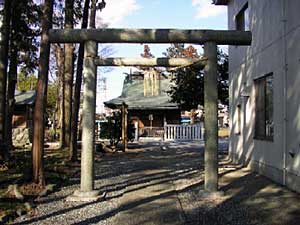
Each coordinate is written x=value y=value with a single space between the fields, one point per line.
x=211 y=117
x=86 y=191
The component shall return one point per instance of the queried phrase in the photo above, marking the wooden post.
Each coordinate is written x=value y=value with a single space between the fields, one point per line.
x=211 y=117
x=124 y=126
x=87 y=192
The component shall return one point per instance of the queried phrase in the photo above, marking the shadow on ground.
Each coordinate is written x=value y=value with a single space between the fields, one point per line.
x=161 y=184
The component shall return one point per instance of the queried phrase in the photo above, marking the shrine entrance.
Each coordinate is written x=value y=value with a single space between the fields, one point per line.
x=91 y=37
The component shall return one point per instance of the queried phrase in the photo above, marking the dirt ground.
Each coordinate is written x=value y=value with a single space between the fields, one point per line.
x=159 y=183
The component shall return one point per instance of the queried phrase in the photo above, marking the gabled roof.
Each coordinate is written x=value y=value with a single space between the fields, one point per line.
x=133 y=96
x=24 y=97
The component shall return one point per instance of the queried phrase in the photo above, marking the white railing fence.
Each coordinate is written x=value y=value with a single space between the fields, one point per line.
x=151 y=132
x=183 y=132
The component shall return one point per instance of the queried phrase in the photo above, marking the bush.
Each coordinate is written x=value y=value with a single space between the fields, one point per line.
x=112 y=129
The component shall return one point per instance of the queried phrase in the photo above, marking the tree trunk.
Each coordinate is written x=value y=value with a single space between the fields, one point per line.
x=62 y=112
x=59 y=56
x=69 y=4
x=4 y=46
x=12 y=75
x=76 y=95
x=93 y=14
x=12 y=81
x=41 y=96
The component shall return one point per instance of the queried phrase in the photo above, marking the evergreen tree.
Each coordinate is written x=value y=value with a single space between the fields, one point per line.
x=188 y=89
x=5 y=15
x=41 y=96
x=22 y=52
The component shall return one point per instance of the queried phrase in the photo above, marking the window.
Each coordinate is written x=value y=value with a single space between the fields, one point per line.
x=242 y=19
x=264 y=124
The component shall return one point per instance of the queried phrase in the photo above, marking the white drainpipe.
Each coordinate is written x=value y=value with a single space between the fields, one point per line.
x=284 y=20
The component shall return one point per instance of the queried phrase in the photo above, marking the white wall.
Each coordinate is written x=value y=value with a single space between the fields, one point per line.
x=265 y=55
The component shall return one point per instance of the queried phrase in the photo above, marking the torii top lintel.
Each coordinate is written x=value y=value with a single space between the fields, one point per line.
x=221 y=37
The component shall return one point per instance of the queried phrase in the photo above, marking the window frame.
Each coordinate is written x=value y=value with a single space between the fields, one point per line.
x=263 y=79
x=240 y=19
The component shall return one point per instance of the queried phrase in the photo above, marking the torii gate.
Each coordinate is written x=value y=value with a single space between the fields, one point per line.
x=91 y=38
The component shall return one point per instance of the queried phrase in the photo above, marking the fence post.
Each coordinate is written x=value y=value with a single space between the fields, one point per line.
x=202 y=132
x=136 y=126
x=165 y=131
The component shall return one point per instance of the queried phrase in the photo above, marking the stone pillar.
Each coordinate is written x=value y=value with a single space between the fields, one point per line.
x=87 y=192
x=211 y=117
x=124 y=126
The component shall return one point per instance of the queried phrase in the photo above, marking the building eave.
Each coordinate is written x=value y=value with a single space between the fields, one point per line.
x=220 y=2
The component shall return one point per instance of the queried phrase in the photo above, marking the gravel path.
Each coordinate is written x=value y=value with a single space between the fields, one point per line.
x=53 y=209
x=155 y=183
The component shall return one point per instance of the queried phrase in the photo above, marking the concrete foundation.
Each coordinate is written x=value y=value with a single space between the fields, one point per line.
x=273 y=173
x=85 y=196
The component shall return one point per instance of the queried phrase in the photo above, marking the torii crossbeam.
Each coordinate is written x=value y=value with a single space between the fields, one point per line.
x=221 y=37
x=209 y=38
x=151 y=62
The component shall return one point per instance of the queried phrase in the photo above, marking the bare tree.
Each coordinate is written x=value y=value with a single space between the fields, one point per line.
x=41 y=95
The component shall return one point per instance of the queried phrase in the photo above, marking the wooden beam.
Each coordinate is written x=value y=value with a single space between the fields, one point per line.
x=221 y=37
x=150 y=62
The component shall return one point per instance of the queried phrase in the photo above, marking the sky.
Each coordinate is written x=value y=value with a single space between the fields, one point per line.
x=181 y=14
